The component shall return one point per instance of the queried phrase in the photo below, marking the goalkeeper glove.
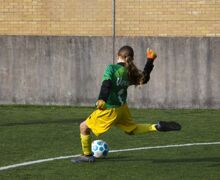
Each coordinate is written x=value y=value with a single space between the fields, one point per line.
x=100 y=104
x=151 y=54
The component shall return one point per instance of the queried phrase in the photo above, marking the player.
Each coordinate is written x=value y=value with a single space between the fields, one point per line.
x=112 y=109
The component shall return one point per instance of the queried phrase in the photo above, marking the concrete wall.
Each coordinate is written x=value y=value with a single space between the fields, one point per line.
x=68 y=70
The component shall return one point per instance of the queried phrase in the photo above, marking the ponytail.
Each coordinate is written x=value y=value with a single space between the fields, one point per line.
x=135 y=76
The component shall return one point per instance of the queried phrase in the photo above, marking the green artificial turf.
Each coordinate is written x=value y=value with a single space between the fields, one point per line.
x=38 y=132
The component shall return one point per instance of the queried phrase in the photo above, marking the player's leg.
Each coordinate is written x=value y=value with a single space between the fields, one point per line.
x=127 y=124
x=143 y=129
x=85 y=139
x=160 y=126
x=98 y=123
x=86 y=145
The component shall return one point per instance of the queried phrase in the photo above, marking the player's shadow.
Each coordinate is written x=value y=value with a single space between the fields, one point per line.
x=215 y=165
x=188 y=160
x=215 y=160
x=114 y=159
x=41 y=122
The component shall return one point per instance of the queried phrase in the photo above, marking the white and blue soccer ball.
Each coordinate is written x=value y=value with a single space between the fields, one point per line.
x=100 y=148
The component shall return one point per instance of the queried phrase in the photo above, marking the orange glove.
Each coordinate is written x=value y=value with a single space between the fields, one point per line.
x=151 y=54
x=100 y=104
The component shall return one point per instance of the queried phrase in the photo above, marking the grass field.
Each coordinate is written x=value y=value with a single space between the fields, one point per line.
x=38 y=132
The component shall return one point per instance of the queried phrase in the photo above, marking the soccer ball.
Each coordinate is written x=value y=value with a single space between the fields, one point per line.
x=100 y=148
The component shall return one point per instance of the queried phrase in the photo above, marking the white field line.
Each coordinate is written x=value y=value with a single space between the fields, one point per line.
x=112 y=151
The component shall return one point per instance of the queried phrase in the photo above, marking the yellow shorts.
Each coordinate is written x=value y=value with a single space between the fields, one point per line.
x=101 y=121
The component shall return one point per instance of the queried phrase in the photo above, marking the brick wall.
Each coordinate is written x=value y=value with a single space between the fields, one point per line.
x=94 y=17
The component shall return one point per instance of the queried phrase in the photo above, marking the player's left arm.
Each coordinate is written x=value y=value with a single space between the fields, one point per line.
x=151 y=56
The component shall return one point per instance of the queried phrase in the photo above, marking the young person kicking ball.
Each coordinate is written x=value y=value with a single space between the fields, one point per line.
x=112 y=108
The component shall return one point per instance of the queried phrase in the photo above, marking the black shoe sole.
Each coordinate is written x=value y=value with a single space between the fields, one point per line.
x=168 y=126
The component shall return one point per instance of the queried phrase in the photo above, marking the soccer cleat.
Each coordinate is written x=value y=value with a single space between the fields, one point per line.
x=168 y=126
x=83 y=159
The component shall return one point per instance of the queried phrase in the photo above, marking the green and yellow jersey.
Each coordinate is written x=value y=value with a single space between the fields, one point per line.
x=118 y=75
x=115 y=83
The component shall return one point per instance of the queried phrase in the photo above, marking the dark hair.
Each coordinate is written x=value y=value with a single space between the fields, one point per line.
x=135 y=76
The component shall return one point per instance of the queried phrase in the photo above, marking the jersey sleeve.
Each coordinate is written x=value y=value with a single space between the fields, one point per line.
x=147 y=70
x=108 y=74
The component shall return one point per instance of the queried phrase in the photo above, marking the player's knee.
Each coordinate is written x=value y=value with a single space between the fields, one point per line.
x=84 y=128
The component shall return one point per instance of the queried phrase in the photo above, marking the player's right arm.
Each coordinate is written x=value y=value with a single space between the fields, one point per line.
x=105 y=88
